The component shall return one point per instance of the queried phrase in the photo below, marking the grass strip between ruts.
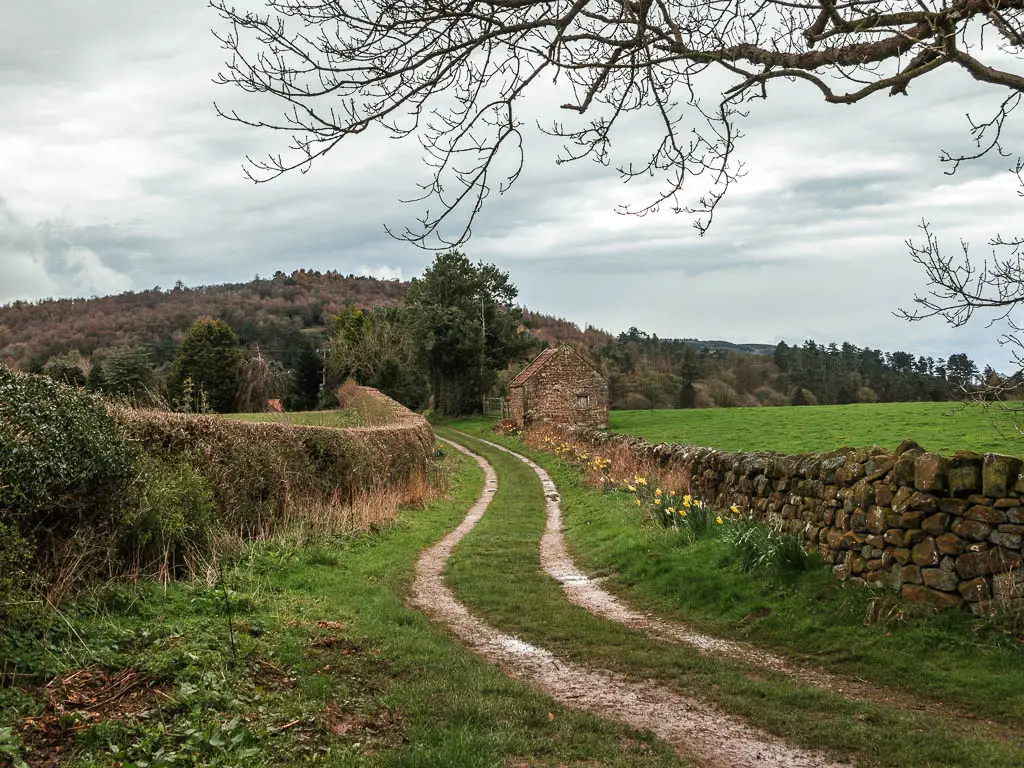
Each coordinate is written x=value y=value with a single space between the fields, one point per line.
x=496 y=572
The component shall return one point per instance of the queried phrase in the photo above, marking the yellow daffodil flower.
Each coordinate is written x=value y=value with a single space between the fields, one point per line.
x=719 y=520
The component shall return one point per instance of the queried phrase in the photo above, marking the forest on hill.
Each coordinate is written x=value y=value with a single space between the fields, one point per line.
x=269 y=312
x=307 y=331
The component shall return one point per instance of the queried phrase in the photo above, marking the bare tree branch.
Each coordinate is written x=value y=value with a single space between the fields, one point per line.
x=454 y=73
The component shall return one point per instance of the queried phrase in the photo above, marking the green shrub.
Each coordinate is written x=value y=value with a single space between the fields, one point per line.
x=174 y=516
x=64 y=464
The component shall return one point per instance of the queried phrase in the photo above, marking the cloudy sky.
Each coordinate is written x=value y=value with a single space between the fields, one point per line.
x=116 y=174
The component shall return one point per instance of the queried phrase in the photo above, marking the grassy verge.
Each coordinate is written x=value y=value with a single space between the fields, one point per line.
x=496 y=571
x=330 y=668
x=942 y=427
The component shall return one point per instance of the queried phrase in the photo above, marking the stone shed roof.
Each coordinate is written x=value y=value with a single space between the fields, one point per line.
x=542 y=359
x=532 y=368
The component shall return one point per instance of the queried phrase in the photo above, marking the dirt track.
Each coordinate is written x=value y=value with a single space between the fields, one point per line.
x=587 y=593
x=716 y=739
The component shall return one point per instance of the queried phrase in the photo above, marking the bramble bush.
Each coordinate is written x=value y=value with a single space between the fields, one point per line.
x=64 y=464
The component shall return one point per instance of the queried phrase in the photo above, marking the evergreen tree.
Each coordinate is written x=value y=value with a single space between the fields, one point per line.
x=94 y=381
x=128 y=372
x=306 y=378
x=466 y=329
x=687 y=395
x=209 y=357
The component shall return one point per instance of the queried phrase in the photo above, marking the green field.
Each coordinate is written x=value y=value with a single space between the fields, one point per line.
x=336 y=418
x=942 y=427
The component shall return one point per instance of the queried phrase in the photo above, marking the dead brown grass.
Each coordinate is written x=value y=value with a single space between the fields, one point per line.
x=624 y=463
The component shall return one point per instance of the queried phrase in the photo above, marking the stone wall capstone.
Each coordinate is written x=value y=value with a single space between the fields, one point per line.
x=945 y=530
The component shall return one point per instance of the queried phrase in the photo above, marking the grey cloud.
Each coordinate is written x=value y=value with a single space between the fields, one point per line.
x=22 y=259
x=121 y=172
x=37 y=265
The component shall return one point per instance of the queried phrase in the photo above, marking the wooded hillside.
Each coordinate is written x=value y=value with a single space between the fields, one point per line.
x=295 y=321
x=270 y=312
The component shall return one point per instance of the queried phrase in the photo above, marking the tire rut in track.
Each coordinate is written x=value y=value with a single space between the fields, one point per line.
x=717 y=740
x=587 y=593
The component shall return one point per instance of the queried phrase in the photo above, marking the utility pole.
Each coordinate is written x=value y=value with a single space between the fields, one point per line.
x=324 y=354
x=483 y=353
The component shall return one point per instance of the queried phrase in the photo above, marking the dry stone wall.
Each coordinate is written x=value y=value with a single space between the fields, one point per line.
x=945 y=530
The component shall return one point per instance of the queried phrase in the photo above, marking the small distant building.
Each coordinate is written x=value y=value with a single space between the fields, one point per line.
x=559 y=386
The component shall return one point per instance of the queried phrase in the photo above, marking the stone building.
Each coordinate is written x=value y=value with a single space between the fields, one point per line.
x=559 y=386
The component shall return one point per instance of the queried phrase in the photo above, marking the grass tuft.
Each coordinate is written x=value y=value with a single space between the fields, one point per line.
x=764 y=545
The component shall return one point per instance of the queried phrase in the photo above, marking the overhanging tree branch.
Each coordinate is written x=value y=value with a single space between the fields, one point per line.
x=455 y=73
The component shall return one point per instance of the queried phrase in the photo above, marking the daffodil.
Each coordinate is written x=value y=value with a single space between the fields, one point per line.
x=719 y=520
x=642 y=480
x=657 y=501
x=638 y=502
x=657 y=491
x=734 y=509
x=671 y=510
x=682 y=513
x=632 y=489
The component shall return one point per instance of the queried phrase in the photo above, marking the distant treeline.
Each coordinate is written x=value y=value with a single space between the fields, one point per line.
x=279 y=314
x=647 y=372
x=302 y=333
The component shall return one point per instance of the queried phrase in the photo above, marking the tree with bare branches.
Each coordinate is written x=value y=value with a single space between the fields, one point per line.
x=960 y=287
x=454 y=74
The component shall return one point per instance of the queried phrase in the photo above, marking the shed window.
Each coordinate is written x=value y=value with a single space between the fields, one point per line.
x=583 y=401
